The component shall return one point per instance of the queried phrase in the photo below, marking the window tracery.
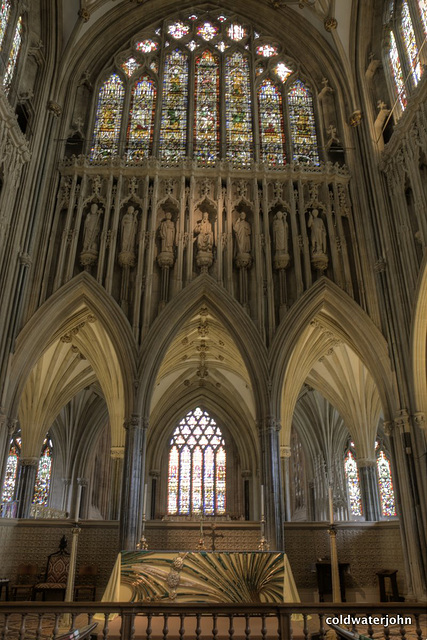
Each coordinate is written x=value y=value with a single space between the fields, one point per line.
x=353 y=483
x=11 y=470
x=4 y=20
x=197 y=467
x=44 y=472
x=214 y=90
x=13 y=56
x=408 y=36
x=385 y=483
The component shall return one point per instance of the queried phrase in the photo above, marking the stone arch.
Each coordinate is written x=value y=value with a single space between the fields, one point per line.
x=317 y=323
x=204 y=291
x=419 y=342
x=83 y=315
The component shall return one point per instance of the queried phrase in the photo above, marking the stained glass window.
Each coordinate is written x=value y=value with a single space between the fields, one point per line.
x=385 y=484
x=396 y=70
x=303 y=129
x=173 y=133
x=353 y=484
x=44 y=471
x=422 y=5
x=130 y=66
x=408 y=36
x=236 y=32
x=272 y=135
x=4 y=19
x=197 y=467
x=146 y=46
x=283 y=71
x=13 y=56
x=206 y=125
x=266 y=50
x=108 y=118
x=207 y=31
x=238 y=109
x=141 y=119
x=11 y=469
x=178 y=30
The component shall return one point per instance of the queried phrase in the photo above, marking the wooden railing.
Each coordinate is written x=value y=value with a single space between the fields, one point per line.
x=150 y=621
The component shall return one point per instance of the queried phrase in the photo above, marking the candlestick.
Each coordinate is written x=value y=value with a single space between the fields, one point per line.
x=331 y=506
x=262 y=502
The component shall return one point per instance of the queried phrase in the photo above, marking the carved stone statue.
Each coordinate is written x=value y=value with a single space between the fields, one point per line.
x=91 y=228
x=243 y=231
x=319 y=257
x=280 y=240
x=204 y=241
x=128 y=230
x=167 y=233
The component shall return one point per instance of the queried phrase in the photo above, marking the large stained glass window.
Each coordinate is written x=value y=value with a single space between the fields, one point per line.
x=396 y=70
x=272 y=135
x=108 y=118
x=11 y=470
x=238 y=113
x=141 y=119
x=385 y=484
x=44 y=472
x=4 y=19
x=408 y=36
x=197 y=467
x=13 y=56
x=353 y=484
x=303 y=129
x=173 y=132
x=206 y=125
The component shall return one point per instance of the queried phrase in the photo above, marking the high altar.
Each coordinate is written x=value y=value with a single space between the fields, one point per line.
x=201 y=576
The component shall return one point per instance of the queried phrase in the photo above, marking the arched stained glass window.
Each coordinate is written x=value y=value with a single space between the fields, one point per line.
x=197 y=467
x=44 y=472
x=422 y=6
x=385 y=484
x=108 y=118
x=206 y=124
x=396 y=70
x=272 y=134
x=141 y=119
x=13 y=56
x=173 y=132
x=238 y=108
x=4 y=19
x=408 y=36
x=303 y=129
x=353 y=484
x=11 y=470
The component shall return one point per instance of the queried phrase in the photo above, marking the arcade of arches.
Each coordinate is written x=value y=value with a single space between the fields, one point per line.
x=214 y=279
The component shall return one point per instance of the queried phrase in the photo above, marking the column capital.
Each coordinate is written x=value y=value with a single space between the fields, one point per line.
x=66 y=482
x=420 y=419
x=366 y=462
x=401 y=419
x=285 y=451
x=29 y=462
x=269 y=424
x=82 y=482
x=154 y=473
x=117 y=453
x=388 y=426
x=246 y=473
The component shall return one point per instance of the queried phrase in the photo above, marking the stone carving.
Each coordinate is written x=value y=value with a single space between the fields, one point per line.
x=91 y=229
x=128 y=232
x=280 y=240
x=204 y=241
x=242 y=230
x=167 y=238
x=318 y=240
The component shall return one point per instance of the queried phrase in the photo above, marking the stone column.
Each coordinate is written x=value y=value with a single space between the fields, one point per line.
x=66 y=482
x=117 y=457
x=285 y=461
x=81 y=505
x=27 y=472
x=133 y=474
x=271 y=480
x=369 y=489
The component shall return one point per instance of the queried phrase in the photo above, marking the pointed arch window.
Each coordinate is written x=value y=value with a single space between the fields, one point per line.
x=353 y=484
x=303 y=129
x=173 y=130
x=4 y=20
x=206 y=125
x=197 y=467
x=385 y=484
x=11 y=470
x=108 y=118
x=238 y=109
x=141 y=119
x=408 y=35
x=396 y=70
x=44 y=473
x=272 y=135
x=13 y=56
x=422 y=7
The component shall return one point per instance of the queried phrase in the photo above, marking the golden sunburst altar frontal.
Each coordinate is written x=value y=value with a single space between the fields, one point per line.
x=202 y=577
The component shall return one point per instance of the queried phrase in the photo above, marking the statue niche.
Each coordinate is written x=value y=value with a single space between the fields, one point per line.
x=280 y=233
x=128 y=228
x=91 y=230
x=318 y=242
x=166 y=237
x=203 y=234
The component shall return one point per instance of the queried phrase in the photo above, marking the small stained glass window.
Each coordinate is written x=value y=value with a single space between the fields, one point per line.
x=173 y=134
x=272 y=134
x=385 y=484
x=266 y=50
x=197 y=467
x=236 y=32
x=207 y=31
x=44 y=472
x=303 y=129
x=108 y=118
x=283 y=71
x=353 y=484
x=141 y=119
x=238 y=109
x=206 y=126
x=4 y=19
x=146 y=46
x=192 y=45
x=408 y=35
x=130 y=66
x=13 y=56
x=396 y=70
x=11 y=470
x=178 y=30
x=422 y=6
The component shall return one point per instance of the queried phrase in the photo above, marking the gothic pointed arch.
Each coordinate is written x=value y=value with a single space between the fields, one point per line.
x=419 y=342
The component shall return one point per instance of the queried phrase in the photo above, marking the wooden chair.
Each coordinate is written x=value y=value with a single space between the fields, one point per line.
x=26 y=578
x=55 y=581
x=86 y=580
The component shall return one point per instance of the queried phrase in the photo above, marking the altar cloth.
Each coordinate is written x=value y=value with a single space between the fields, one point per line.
x=201 y=577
